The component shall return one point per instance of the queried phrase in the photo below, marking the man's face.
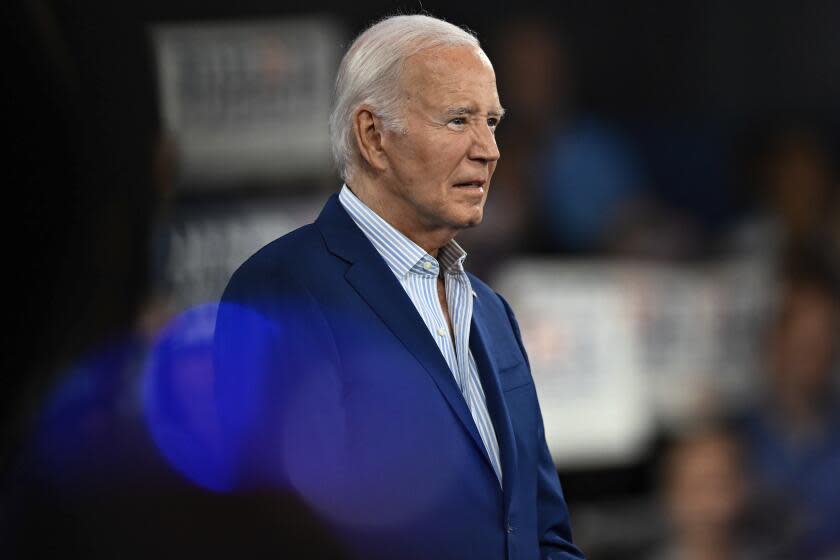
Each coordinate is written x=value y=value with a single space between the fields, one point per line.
x=440 y=166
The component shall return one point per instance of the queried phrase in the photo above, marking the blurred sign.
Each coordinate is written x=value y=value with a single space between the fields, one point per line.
x=618 y=349
x=579 y=332
x=248 y=102
x=205 y=247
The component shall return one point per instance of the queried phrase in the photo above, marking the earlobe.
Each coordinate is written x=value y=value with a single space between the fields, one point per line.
x=368 y=130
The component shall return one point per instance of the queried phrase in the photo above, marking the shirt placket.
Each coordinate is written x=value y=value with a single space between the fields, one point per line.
x=440 y=330
x=454 y=288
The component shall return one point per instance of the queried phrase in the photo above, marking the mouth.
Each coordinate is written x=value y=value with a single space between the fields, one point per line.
x=477 y=184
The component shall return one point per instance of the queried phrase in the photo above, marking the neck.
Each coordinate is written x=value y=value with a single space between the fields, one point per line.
x=398 y=215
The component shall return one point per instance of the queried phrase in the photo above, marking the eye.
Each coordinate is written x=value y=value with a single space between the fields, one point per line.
x=458 y=121
x=493 y=122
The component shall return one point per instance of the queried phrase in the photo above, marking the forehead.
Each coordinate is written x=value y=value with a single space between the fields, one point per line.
x=446 y=75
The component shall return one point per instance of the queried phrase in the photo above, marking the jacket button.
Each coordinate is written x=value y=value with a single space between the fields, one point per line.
x=509 y=528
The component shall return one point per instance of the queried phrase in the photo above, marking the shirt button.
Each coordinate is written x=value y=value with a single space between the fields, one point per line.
x=427 y=265
x=441 y=331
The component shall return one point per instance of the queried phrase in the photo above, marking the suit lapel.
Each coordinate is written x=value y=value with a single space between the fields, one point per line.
x=489 y=374
x=376 y=285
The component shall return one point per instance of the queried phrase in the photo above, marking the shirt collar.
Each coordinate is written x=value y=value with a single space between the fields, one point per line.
x=400 y=253
x=451 y=257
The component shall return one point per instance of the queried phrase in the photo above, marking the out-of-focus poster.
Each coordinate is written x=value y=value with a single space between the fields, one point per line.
x=579 y=331
x=620 y=349
x=248 y=102
x=206 y=245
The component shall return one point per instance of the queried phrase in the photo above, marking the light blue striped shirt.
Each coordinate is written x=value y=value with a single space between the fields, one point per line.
x=417 y=272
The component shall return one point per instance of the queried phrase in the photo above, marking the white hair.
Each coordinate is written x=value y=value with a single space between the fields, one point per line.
x=370 y=73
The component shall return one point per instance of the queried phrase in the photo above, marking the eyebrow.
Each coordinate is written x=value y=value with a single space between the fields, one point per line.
x=470 y=110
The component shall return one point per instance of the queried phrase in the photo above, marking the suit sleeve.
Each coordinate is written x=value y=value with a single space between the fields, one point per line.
x=553 y=524
x=275 y=362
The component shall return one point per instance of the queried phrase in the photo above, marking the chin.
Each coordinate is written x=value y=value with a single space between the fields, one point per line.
x=476 y=221
x=473 y=221
x=465 y=218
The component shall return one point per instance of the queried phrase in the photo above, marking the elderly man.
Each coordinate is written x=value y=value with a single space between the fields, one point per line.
x=359 y=365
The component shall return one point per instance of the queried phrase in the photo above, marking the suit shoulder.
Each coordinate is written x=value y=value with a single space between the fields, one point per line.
x=275 y=266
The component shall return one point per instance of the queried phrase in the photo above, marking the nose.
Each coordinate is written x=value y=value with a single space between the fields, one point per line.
x=484 y=147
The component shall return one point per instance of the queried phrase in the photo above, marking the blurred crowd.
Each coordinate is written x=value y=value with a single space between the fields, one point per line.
x=755 y=480
x=106 y=382
x=762 y=483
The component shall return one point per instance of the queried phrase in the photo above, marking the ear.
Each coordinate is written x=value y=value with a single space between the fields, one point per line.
x=368 y=130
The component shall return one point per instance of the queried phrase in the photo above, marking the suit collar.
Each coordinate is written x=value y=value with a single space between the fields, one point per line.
x=400 y=252
x=376 y=284
x=488 y=371
x=342 y=236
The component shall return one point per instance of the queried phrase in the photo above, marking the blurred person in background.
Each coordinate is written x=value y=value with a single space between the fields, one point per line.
x=792 y=435
x=709 y=507
x=359 y=363
x=791 y=176
x=82 y=475
x=587 y=178
x=572 y=182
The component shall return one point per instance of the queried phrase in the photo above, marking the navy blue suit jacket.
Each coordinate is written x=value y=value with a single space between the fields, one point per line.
x=329 y=382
